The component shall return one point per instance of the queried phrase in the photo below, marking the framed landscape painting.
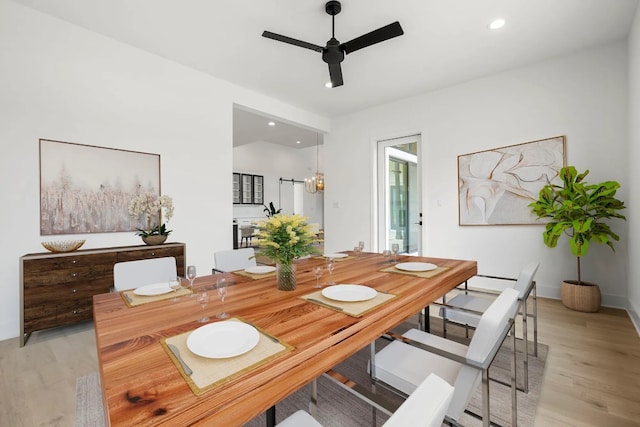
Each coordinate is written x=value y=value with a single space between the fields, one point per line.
x=87 y=189
x=496 y=186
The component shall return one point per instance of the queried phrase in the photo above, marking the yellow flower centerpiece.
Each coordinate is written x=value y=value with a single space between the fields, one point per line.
x=284 y=238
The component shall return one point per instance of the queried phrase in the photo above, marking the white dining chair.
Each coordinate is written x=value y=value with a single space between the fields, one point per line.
x=299 y=418
x=235 y=259
x=468 y=305
x=425 y=407
x=405 y=362
x=133 y=274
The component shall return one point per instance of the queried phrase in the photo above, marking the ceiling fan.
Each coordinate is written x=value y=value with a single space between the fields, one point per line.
x=333 y=53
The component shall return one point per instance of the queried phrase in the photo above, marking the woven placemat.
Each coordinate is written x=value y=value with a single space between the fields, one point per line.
x=348 y=257
x=253 y=275
x=355 y=308
x=210 y=373
x=424 y=274
x=133 y=300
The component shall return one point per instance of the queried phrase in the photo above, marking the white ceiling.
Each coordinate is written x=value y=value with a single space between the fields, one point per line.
x=446 y=42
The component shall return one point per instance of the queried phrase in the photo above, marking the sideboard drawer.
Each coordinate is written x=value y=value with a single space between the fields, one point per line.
x=61 y=270
x=154 y=252
x=62 y=292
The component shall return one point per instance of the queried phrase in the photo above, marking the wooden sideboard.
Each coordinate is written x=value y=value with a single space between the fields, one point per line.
x=58 y=288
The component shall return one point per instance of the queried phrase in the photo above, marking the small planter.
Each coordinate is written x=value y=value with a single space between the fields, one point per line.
x=155 y=239
x=584 y=297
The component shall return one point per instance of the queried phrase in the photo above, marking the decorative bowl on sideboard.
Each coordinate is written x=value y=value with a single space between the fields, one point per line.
x=63 y=245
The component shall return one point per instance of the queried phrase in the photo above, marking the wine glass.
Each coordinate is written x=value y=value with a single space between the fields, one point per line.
x=191 y=276
x=331 y=264
x=203 y=299
x=175 y=285
x=317 y=272
x=361 y=245
x=357 y=251
x=395 y=248
x=222 y=293
x=387 y=255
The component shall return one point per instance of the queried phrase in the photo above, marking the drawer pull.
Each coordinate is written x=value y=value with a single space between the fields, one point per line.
x=74 y=261
x=74 y=274
x=153 y=254
x=74 y=291
x=75 y=311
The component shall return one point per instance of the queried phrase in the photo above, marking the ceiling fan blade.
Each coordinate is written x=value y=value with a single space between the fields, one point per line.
x=285 y=39
x=376 y=36
x=335 y=73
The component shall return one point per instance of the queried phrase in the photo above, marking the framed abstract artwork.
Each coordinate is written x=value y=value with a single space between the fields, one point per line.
x=496 y=186
x=87 y=189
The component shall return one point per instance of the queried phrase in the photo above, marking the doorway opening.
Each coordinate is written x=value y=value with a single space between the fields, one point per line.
x=399 y=216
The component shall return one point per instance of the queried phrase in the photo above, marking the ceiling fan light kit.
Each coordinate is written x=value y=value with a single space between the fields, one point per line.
x=334 y=51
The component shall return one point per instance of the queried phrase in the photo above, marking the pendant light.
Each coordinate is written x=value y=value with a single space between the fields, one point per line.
x=315 y=183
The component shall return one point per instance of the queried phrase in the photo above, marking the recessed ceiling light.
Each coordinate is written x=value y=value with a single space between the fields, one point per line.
x=328 y=84
x=271 y=123
x=297 y=142
x=497 y=24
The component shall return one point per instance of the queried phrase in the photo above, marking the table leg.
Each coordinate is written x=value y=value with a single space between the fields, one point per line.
x=427 y=321
x=271 y=416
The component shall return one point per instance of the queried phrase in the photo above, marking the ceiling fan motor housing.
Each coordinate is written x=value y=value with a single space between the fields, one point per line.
x=333 y=54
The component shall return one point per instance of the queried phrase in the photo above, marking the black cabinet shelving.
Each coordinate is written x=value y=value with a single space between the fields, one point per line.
x=248 y=189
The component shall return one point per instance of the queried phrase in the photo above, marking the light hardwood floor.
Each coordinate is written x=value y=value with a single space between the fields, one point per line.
x=592 y=376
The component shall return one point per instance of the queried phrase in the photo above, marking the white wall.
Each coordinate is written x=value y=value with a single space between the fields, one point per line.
x=61 y=82
x=633 y=213
x=583 y=96
x=275 y=161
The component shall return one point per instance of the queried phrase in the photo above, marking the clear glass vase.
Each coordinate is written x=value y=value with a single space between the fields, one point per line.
x=286 y=276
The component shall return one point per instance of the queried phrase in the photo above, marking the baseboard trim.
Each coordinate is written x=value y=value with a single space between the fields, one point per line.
x=635 y=318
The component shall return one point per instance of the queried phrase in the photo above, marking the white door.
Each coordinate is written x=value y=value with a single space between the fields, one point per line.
x=399 y=204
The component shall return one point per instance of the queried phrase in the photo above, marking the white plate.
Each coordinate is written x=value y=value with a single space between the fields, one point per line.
x=260 y=269
x=223 y=339
x=416 y=266
x=153 y=289
x=335 y=255
x=349 y=293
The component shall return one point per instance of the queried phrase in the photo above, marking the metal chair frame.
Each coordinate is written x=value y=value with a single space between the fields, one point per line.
x=522 y=310
x=379 y=402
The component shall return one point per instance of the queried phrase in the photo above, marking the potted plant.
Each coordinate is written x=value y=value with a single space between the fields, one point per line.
x=581 y=211
x=151 y=210
x=271 y=210
x=284 y=238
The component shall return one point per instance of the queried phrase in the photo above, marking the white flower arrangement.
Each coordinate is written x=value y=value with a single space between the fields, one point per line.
x=154 y=209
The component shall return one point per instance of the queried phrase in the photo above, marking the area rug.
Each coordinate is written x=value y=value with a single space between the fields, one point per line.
x=338 y=408
x=89 y=409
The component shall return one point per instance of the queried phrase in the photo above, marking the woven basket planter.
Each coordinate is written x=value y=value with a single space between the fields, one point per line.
x=584 y=297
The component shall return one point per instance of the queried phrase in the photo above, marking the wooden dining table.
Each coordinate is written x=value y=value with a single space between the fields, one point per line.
x=141 y=385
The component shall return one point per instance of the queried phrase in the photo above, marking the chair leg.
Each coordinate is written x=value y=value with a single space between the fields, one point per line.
x=486 y=416
x=535 y=320
x=444 y=318
x=313 y=401
x=526 y=346
x=372 y=360
x=514 y=391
